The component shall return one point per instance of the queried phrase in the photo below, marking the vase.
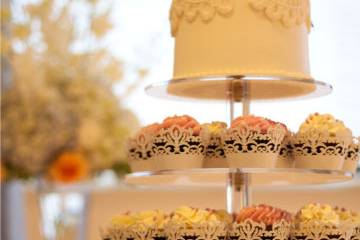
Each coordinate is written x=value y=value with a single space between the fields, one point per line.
x=13 y=225
x=63 y=210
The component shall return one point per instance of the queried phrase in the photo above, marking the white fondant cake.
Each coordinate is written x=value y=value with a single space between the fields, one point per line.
x=241 y=37
x=255 y=40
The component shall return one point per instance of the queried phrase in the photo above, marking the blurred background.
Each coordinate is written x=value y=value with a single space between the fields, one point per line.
x=73 y=74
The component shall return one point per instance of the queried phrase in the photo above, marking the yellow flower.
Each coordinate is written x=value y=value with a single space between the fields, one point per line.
x=113 y=70
x=100 y=25
x=21 y=31
x=69 y=167
x=143 y=72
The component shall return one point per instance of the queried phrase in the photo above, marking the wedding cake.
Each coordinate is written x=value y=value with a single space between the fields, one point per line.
x=267 y=38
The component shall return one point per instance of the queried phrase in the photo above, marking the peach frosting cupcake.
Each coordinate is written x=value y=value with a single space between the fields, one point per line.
x=184 y=121
x=262 y=220
x=140 y=149
x=180 y=143
x=253 y=142
x=263 y=214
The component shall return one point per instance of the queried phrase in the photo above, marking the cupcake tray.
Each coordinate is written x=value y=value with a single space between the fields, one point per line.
x=219 y=177
x=238 y=181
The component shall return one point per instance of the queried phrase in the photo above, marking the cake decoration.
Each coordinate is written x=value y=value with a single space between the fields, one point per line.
x=321 y=143
x=263 y=213
x=180 y=143
x=320 y=222
x=285 y=158
x=193 y=223
x=261 y=222
x=326 y=123
x=288 y=12
x=253 y=142
x=352 y=156
x=140 y=149
x=215 y=154
x=190 y=10
x=146 y=225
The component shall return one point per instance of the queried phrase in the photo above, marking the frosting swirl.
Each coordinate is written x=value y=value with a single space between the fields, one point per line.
x=324 y=122
x=215 y=128
x=317 y=213
x=254 y=122
x=348 y=216
x=190 y=216
x=144 y=219
x=124 y=220
x=151 y=129
x=184 y=121
x=263 y=214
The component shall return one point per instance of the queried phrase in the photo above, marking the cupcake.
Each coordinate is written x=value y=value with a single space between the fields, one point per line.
x=180 y=143
x=352 y=156
x=214 y=153
x=147 y=225
x=261 y=222
x=253 y=142
x=318 y=222
x=285 y=158
x=140 y=149
x=321 y=143
x=352 y=218
x=194 y=223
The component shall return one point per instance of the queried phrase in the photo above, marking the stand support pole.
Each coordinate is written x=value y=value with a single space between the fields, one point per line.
x=238 y=182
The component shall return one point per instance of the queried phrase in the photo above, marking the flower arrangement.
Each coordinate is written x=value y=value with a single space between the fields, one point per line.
x=60 y=116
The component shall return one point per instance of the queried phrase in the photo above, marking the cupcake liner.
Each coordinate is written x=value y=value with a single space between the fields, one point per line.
x=134 y=233
x=316 y=149
x=352 y=156
x=215 y=154
x=178 y=148
x=315 y=231
x=259 y=231
x=205 y=231
x=285 y=158
x=141 y=153
x=247 y=146
x=356 y=233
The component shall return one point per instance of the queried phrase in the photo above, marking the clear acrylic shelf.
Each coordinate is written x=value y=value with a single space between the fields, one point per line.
x=256 y=176
x=259 y=88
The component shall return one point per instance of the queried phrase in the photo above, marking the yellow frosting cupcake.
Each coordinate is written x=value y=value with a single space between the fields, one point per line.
x=215 y=127
x=316 y=222
x=321 y=143
x=348 y=216
x=207 y=224
x=317 y=214
x=327 y=123
x=323 y=122
x=124 y=220
x=146 y=218
x=215 y=154
x=194 y=216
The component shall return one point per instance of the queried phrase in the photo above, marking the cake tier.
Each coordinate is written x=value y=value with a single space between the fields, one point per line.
x=241 y=37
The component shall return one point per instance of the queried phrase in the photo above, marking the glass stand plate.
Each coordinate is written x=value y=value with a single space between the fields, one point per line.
x=219 y=176
x=259 y=88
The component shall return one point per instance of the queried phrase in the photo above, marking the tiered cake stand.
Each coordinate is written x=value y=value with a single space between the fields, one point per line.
x=237 y=181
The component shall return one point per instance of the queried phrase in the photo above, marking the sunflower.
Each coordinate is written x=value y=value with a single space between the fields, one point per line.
x=69 y=167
